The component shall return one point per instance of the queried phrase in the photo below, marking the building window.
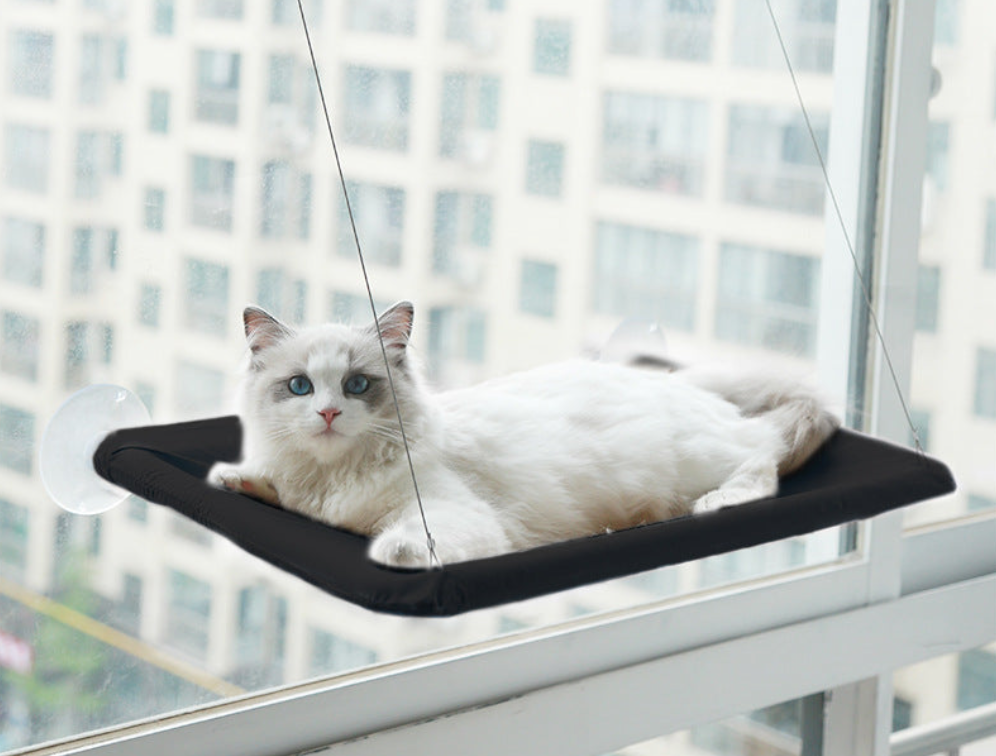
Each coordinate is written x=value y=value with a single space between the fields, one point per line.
x=129 y=609
x=989 y=242
x=767 y=299
x=23 y=252
x=938 y=149
x=286 y=201
x=280 y=88
x=928 y=294
x=13 y=540
x=206 y=297
x=285 y=12
x=545 y=168
x=276 y=198
x=201 y=390
x=921 y=421
x=552 y=47
x=661 y=29
x=462 y=235
x=224 y=9
x=647 y=274
x=353 y=308
x=19 y=342
x=103 y=60
x=95 y=250
x=138 y=509
x=190 y=530
x=653 y=142
x=149 y=299
x=381 y=16
x=99 y=155
x=29 y=61
x=212 y=195
x=977 y=503
x=456 y=334
x=304 y=206
x=261 y=636
x=473 y=22
x=77 y=354
x=282 y=296
x=808 y=30
x=976 y=678
x=946 y=23
x=538 y=288
x=159 y=111
x=985 y=383
x=217 y=97
x=379 y=212
x=17 y=438
x=469 y=116
x=330 y=653
x=188 y=616
x=771 y=161
x=377 y=102
x=154 y=209
x=163 y=17
x=26 y=151
x=147 y=393
x=902 y=714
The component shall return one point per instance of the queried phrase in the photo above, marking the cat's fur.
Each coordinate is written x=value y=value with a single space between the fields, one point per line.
x=553 y=453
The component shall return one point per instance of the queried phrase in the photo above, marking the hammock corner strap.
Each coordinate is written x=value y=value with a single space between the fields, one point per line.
x=852 y=477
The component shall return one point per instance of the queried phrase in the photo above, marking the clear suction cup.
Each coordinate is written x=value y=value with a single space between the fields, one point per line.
x=636 y=339
x=73 y=435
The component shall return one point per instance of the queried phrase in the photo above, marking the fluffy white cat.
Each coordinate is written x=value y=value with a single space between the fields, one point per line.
x=553 y=453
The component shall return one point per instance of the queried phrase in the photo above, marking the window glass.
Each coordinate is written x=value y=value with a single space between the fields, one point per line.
x=552 y=50
x=29 y=58
x=954 y=349
x=661 y=29
x=530 y=182
x=936 y=689
x=545 y=168
x=382 y=16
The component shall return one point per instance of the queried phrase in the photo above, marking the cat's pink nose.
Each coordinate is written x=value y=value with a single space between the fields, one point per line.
x=329 y=415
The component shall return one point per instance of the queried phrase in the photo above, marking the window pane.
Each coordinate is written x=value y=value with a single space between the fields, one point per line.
x=661 y=29
x=954 y=351
x=30 y=62
x=552 y=51
x=530 y=181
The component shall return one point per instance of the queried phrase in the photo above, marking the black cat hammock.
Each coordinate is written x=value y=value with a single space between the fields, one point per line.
x=851 y=478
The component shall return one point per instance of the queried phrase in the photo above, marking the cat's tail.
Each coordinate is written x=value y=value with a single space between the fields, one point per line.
x=797 y=409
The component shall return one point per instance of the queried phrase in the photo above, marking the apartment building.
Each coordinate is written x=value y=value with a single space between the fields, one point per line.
x=530 y=174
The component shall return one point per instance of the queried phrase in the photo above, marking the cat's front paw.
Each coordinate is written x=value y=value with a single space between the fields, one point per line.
x=396 y=549
x=244 y=482
x=724 y=497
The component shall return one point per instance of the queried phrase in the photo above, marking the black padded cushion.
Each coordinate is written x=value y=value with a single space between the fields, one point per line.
x=852 y=477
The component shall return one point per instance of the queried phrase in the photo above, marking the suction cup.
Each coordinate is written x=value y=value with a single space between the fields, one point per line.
x=73 y=435
x=636 y=340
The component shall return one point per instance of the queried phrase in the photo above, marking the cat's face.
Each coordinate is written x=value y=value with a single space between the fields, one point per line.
x=322 y=391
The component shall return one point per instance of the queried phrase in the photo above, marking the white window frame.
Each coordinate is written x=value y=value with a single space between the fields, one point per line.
x=607 y=681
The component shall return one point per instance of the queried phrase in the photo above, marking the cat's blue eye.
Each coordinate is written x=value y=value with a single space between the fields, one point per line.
x=300 y=385
x=356 y=384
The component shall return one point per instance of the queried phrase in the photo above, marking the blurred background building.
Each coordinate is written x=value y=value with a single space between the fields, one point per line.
x=530 y=174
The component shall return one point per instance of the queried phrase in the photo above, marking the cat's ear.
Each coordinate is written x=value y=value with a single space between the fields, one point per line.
x=262 y=329
x=395 y=325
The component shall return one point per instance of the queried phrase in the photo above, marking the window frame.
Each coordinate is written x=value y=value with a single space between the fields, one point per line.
x=844 y=625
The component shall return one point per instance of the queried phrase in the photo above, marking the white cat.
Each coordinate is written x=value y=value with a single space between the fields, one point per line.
x=558 y=452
